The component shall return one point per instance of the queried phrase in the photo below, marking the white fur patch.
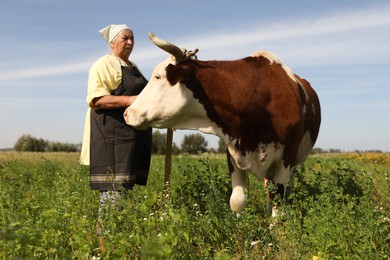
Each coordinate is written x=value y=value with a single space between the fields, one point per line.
x=265 y=162
x=304 y=148
x=273 y=58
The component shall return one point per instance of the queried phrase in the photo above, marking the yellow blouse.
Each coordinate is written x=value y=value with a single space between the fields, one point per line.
x=104 y=76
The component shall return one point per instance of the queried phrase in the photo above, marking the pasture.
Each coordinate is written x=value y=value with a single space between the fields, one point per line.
x=339 y=208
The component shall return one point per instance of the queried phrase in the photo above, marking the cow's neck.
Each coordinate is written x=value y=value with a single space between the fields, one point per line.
x=203 y=125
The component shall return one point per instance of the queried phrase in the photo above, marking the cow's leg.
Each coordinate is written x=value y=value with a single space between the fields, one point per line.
x=237 y=198
x=280 y=182
x=278 y=191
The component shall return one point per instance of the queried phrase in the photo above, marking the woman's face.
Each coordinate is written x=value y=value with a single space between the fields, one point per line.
x=123 y=44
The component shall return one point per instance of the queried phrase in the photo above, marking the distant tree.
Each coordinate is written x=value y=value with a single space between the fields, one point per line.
x=317 y=150
x=158 y=142
x=194 y=144
x=28 y=143
x=62 y=147
x=212 y=150
x=159 y=145
x=221 y=146
x=375 y=151
x=175 y=149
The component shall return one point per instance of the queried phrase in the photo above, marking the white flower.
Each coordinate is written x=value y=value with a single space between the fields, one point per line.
x=145 y=219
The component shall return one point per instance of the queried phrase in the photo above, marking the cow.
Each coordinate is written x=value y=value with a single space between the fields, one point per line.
x=268 y=117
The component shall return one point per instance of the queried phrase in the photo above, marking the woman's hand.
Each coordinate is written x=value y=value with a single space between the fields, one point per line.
x=113 y=102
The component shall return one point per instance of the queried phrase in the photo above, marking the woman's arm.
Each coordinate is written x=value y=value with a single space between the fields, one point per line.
x=112 y=102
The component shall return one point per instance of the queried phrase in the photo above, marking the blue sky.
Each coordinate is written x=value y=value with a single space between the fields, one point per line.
x=341 y=47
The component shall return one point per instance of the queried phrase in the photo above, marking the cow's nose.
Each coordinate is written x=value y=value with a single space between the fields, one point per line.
x=125 y=115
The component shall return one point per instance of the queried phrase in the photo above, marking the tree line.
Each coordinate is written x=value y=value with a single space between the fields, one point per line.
x=29 y=143
x=191 y=144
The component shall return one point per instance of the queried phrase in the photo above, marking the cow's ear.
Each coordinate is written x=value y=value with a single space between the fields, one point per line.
x=177 y=73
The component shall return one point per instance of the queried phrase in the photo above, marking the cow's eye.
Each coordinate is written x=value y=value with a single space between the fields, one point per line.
x=157 y=76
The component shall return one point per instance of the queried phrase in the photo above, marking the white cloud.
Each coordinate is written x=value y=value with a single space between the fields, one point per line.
x=321 y=39
x=297 y=31
x=63 y=69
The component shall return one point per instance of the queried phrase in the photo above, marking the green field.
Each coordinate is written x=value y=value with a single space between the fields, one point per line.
x=339 y=209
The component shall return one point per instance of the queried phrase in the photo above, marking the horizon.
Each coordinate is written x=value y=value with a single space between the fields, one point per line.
x=208 y=147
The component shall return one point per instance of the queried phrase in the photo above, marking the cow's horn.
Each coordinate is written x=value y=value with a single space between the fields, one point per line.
x=168 y=47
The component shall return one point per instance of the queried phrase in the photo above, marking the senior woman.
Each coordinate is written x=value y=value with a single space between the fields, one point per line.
x=118 y=155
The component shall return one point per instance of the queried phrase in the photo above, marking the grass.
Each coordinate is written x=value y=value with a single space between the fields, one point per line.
x=338 y=209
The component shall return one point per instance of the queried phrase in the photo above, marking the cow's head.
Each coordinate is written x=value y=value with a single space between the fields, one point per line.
x=166 y=102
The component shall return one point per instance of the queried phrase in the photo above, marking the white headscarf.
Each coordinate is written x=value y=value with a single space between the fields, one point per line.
x=110 y=32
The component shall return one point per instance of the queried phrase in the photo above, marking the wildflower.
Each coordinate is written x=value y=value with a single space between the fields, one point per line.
x=255 y=242
x=145 y=219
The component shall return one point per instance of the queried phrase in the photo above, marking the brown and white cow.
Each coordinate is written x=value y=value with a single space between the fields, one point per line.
x=268 y=117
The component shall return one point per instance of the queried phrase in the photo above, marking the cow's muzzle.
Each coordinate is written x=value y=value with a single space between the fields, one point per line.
x=131 y=118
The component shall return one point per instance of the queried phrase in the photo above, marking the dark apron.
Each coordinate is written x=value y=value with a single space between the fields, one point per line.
x=119 y=154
